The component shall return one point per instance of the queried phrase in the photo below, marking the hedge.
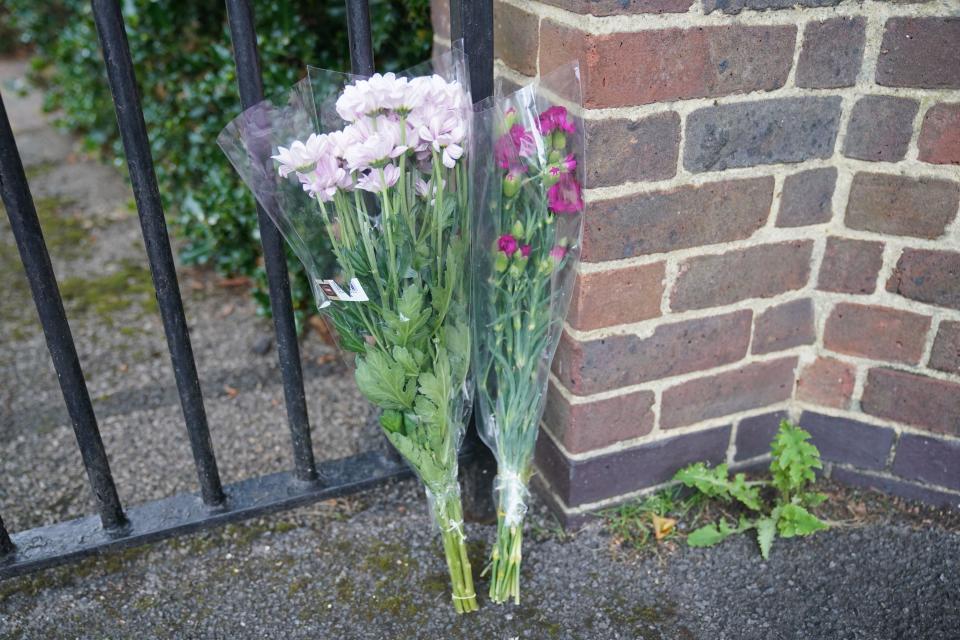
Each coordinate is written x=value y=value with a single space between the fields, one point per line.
x=184 y=66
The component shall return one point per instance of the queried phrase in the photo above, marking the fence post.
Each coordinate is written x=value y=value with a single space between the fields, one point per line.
x=472 y=21
x=250 y=81
x=46 y=296
x=136 y=144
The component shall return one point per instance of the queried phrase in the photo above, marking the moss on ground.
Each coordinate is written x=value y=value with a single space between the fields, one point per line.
x=109 y=293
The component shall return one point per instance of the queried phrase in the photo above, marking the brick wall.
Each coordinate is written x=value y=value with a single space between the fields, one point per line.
x=772 y=230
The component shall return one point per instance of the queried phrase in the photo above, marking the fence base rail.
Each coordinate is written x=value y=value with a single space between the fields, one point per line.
x=64 y=542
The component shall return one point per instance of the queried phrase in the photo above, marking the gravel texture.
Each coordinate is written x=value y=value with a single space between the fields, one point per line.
x=371 y=567
x=368 y=566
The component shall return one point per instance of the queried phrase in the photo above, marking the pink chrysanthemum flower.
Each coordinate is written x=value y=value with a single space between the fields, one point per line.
x=558 y=253
x=525 y=250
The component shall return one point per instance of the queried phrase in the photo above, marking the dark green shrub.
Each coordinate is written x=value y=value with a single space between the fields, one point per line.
x=184 y=66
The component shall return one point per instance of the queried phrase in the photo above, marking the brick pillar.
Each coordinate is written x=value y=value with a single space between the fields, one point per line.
x=772 y=230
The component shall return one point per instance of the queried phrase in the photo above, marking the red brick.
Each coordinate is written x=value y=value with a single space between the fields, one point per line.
x=756 y=272
x=673 y=349
x=620 y=296
x=621 y=7
x=920 y=52
x=939 y=141
x=633 y=150
x=440 y=17
x=827 y=382
x=623 y=69
x=913 y=399
x=784 y=326
x=832 y=53
x=902 y=206
x=662 y=221
x=874 y=332
x=880 y=128
x=594 y=425
x=750 y=387
x=515 y=38
x=928 y=276
x=945 y=355
x=850 y=266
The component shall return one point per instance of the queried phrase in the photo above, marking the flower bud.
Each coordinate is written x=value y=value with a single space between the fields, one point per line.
x=511 y=184
x=551 y=176
x=501 y=262
x=559 y=139
x=555 y=157
x=517 y=229
x=510 y=118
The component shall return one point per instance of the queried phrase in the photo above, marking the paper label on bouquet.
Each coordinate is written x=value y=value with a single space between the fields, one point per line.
x=334 y=291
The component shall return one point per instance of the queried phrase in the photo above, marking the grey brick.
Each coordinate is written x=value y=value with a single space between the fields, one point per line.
x=880 y=128
x=931 y=460
x=755 y=434
x=733 y=7
x=581 y=481
x=849 y=441
x=832 y=53
x=763 y=132
x=807 y=198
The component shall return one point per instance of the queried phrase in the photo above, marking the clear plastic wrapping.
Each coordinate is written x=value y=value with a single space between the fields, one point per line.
x=526 y=231
x=375 y=171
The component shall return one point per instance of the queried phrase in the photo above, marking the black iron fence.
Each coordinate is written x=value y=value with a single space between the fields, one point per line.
x=119 y=527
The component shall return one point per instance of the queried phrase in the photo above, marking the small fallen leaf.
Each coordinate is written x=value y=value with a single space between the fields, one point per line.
x=327 y=357
x=662 y=527
x=240 y=281
x=226 y=310
x=230 y=391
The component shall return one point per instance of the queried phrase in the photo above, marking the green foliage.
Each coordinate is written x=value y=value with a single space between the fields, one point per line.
x=792 y=468
x=633 y=523
x=183 y=61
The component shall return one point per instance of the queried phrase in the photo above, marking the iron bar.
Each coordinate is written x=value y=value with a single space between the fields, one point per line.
x=46 y=295
x=136 y=144
x=472 y=21
x=6 y=545
x=359 y=36
x=63 y=542
x=250 y=81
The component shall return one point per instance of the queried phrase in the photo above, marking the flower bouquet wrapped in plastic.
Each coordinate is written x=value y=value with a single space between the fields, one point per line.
x=526 y=245
x=374 y=169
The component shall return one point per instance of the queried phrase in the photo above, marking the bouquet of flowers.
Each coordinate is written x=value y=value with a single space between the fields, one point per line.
x=374 y=169
x=526 y=240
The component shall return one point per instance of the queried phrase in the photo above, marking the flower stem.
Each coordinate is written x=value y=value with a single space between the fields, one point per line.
x=505 y=563
x=449 y=517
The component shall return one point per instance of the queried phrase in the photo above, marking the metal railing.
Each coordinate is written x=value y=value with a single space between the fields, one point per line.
x=118 y=527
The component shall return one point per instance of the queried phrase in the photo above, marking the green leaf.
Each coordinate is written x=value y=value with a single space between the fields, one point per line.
x=794 y=459
x=408 y=324
x=797 y=521
x=711 y=534
x=384 y=382
x=405 y=358
x=747 y=494
x=711 y=482
x=766 y=532
x=812 y=499
x=392 y=421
